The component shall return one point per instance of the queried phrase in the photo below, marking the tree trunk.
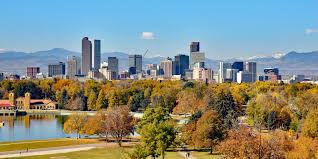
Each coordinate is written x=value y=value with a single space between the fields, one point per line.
x=163 y=154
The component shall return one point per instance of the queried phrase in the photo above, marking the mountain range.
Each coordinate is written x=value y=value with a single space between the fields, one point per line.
x=289 y=63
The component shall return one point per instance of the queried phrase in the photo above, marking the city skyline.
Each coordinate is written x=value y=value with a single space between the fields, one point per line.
x=224 y=29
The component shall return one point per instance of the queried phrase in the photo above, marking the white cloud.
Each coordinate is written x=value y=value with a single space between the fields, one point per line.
x=311 y=31
x=148 y=35
x=2 y=50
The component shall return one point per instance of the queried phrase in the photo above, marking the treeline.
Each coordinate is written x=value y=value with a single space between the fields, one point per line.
x=258 y=120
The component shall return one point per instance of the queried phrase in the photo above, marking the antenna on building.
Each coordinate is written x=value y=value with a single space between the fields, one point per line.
x=146 y=53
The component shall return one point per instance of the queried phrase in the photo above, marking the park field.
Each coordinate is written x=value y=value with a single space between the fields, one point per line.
x=35 y=144
x=115 y=153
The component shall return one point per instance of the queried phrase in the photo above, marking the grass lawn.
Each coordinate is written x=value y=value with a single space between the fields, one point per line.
x=99 y=153
x=23 y=145
x=205 y=155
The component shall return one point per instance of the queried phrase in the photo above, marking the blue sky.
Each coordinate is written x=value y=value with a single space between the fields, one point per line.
x=225 y=28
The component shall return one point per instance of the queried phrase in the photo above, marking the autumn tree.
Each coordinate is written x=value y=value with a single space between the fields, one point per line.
x=102 y=101
x=118 y=123
x=209 y=130
x=76 y=104
x=304 y=147
x=188 y=102
x=240 y=143
x=310 y=125
x=91 y=101
x=244 y=142
x=75 y=124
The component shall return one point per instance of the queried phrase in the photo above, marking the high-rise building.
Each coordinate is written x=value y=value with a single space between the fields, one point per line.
x=195 y=47
x=113 y=65
x=135 y=63
x=97 y=55
x=86 y=56
x=271 y=74
x=251 y=68
x=245 y=77
x=223 y=67
x=196 y=57
x=238 y=65
x=108 y=74
x=152 y=70
x=231 y=75
x=56 y=69
x=167 y=67
x=181 y=64
x=32 y=71
x=73 y=66
x=272 y=71
x=1 y=76
x=203 y=74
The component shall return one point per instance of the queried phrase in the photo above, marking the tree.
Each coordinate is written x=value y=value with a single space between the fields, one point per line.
x=75 y=124
x=113 y=99
x=118 y=123
x=304 y=147
x=240 y=143
x=243 y=142
x=310 y=125
x=76 y=104
x=91 y=101
x=102 y=102
x=62 y=98
x=209 y=130
x=136 y=101
x=157 y=131
x=226 y=108
x=187 y=102
x=139 y=152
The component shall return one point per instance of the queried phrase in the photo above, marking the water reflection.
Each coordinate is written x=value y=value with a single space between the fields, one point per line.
x=33 y=127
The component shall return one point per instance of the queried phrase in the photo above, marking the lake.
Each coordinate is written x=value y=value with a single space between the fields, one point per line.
x=33 y=127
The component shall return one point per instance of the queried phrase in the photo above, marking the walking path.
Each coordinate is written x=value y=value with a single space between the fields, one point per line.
x=52 y=150
x=184 y=154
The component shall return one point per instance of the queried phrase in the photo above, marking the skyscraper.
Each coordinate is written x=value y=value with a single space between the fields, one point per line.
x=250 y=67
x=135 y=63
x=86 y=56
x=56 y=69
x=32 y=71
x=97 y=55
x=1 y=76
x=223 y=69
x=73 y=66
x=113 y=64
x=181 y=64
x=166 y=67
x=195 y=47
x=195 y=55
x=238 y=65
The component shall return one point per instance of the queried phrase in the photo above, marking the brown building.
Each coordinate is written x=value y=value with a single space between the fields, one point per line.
x=26 y=103
x=32 y=71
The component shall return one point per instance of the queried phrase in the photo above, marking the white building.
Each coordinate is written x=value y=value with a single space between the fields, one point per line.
x=167 y=67
x=202 y=74
x=108 y=74
x=223 y=71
